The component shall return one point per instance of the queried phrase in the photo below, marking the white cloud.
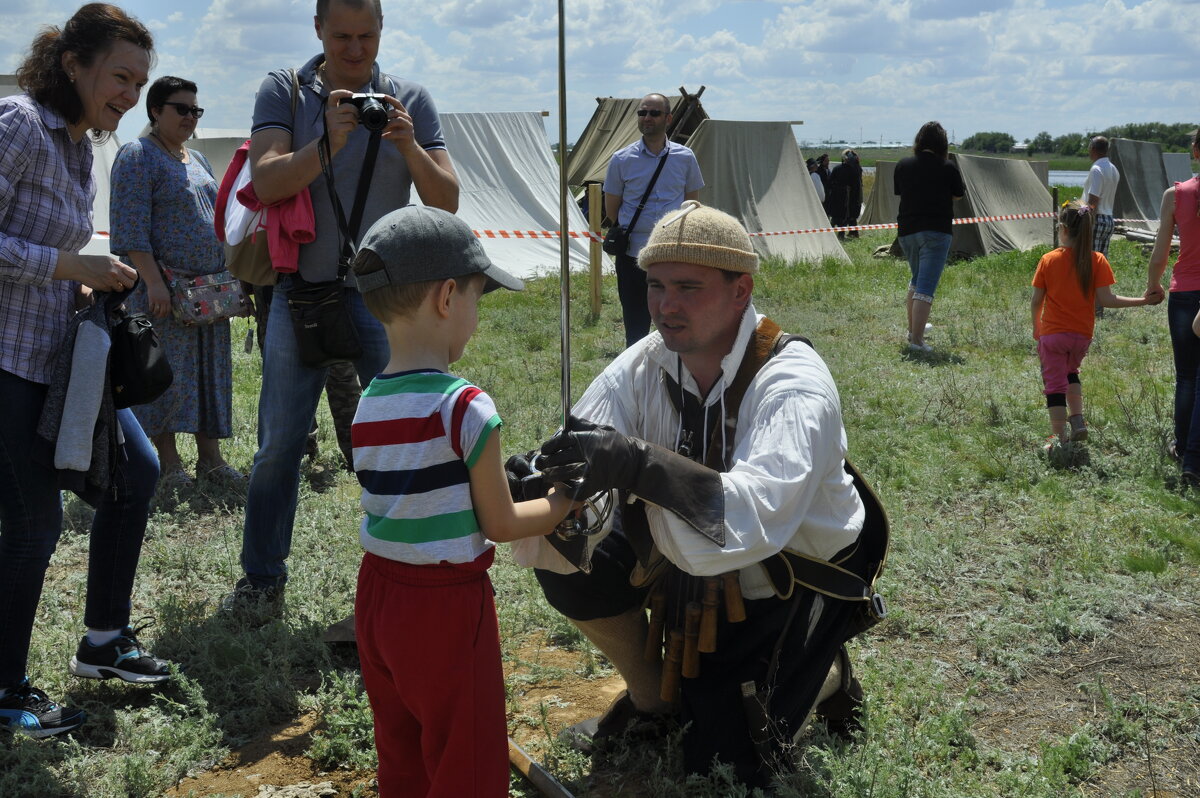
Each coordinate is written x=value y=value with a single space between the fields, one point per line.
x=886 y=67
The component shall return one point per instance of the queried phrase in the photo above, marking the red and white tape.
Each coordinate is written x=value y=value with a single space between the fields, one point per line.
x=588 y=235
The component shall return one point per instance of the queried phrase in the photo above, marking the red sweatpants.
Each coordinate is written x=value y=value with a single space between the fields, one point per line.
x=429 y=644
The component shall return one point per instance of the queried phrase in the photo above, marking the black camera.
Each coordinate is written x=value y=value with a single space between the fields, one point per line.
x=372 y=110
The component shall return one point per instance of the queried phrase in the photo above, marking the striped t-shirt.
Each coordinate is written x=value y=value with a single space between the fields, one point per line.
x=416 y=434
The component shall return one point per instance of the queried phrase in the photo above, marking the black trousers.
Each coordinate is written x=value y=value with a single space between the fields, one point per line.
x=631 y=289
x=811 y=626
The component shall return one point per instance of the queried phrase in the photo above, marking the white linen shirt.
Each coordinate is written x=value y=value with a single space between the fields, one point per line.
x=1102 y=181
x=786 y=486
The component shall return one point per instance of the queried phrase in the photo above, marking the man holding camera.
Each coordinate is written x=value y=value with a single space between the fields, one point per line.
x=304 y=132
x=656 y=175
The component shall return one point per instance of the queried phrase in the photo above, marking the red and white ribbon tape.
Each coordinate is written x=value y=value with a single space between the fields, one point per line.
x=588 y=235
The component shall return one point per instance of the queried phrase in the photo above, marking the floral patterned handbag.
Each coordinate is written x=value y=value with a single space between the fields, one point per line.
x=206 y=299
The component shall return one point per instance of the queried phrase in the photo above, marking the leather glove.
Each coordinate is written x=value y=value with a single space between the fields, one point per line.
x=524 y=483
x=588 y=458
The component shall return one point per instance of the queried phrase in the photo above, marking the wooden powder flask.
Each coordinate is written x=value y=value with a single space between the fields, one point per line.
x=691 y=640
x=735 y=609
x=658 y=616
x=669 y=689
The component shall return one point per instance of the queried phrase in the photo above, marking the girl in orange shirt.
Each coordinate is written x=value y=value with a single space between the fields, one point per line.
x=1067 y=285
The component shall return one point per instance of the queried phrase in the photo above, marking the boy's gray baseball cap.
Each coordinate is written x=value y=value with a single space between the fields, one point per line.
x=418 y=243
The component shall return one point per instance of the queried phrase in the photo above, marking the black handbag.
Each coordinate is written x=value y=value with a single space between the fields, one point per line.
x=321 y=320
x=138 y=368
x=325 y=332
x=616 y=240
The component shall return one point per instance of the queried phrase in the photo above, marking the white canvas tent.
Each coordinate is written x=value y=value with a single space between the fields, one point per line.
x=754 y=171
x=217 y=144
x=508 y=181
x=103 y=155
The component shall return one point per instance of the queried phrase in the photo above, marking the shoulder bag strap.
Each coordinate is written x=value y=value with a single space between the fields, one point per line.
x=642 y=203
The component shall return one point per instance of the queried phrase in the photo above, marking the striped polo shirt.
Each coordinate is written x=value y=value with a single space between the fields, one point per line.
x=416 y=435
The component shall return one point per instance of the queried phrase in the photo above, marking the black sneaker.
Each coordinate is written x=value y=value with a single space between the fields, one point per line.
x=250 y=602
x=27 y=710
x=120 y=658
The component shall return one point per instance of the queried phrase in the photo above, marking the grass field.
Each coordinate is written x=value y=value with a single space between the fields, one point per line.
x=1043 y=638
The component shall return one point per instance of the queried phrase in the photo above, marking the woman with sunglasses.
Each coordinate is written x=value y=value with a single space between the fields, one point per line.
x=162 y=213
x=1181 y=208
x=78 y=81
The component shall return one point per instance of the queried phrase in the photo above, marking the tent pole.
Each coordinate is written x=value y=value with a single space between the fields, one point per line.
x=564 y=195
x=1054 y=210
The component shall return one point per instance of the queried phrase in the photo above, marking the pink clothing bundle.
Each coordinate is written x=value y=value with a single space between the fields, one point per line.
x=1186 y=274
x=287 y=223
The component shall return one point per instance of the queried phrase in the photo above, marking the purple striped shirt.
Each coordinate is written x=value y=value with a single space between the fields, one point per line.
x=46 y=192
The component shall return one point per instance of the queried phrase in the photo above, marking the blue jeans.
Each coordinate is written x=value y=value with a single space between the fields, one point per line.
x=926 y=252
x=31 y=522
x=287 y=404
x=1181 y=310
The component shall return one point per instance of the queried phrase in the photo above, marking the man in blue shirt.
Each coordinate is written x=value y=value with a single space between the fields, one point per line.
x=629 y=173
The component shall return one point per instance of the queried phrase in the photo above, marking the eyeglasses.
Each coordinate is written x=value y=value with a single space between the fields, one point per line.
x=183 y=109
x=649 y=111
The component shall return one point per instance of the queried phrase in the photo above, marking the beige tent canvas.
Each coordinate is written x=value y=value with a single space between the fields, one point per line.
x=1178 y=166
x=103 y=156
x=995 y=187
x=754 y=171
x=882 y=204
x=1143 y=181
x=614 y=125
x=1000 y=187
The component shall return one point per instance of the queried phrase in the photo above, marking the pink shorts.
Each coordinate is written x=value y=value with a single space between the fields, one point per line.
x=1061 y=354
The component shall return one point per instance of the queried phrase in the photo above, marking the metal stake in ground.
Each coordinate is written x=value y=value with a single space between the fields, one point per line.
x=538 y=776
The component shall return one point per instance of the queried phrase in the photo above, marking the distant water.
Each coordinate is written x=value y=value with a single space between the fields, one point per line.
x=1058 y=177
x=1063 y=177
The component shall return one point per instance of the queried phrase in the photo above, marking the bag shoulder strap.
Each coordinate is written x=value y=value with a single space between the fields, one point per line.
x=650 y=187
x=789 y=568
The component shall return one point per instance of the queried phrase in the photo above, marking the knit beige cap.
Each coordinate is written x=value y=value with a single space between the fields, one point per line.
x=703 y=236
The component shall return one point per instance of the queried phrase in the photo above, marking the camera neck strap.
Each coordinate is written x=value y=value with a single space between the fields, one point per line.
x=348 y=232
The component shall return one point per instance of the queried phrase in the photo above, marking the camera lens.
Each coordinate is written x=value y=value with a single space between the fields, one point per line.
x=372 y=114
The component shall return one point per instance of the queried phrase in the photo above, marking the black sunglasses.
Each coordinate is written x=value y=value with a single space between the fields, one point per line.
x=183 y=109
x=651 y=112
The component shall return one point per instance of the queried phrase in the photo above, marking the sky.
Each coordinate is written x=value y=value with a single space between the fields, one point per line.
x=851 y=70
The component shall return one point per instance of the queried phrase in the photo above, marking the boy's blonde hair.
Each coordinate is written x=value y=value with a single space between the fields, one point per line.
x=400 y=300
x=392 y=300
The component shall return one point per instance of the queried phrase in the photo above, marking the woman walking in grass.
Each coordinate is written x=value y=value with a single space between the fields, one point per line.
x=1067 y=285
x=927 y=184
x=1181 y=207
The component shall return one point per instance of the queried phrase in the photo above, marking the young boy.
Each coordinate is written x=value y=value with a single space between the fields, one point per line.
x=427 y=454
